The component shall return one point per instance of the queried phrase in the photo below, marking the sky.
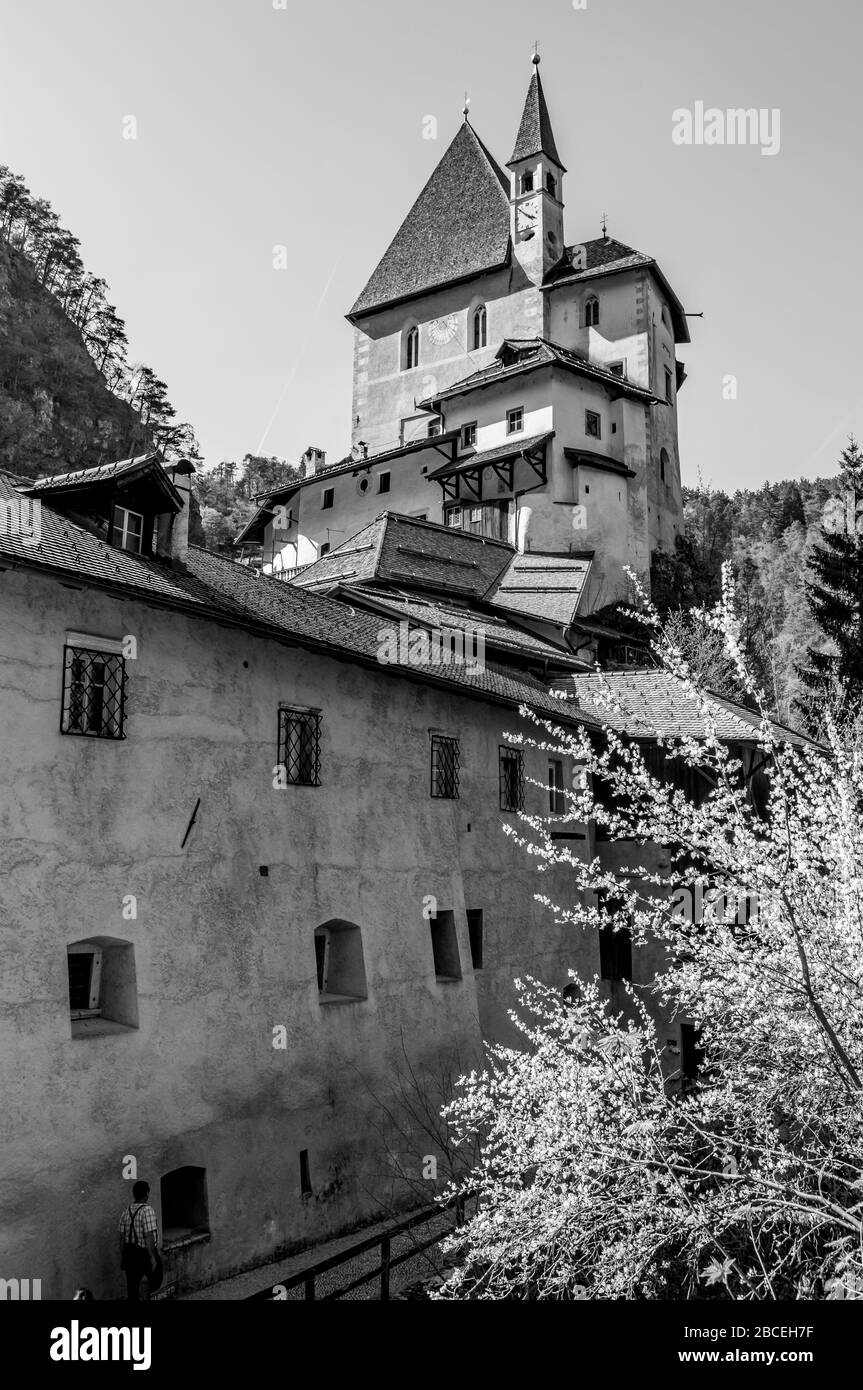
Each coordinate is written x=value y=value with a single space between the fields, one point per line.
x=300 y=123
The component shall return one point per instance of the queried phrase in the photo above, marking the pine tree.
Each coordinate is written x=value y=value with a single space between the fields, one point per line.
x=835 y=597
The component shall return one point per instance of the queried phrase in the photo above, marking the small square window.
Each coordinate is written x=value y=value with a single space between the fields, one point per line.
x=300 y=746
x=384 y=482
x=444 y=767
x=515 y=420
x=511 y=778
x=324 y=550
x=127 y=530
x=434 y=429
x=453 y=516
x=468 y=435
x=94 y=693
x=616 y=368
x=592 y=424
x=328 y=499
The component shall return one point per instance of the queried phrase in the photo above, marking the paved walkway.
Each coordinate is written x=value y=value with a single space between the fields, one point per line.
x=424 y=1266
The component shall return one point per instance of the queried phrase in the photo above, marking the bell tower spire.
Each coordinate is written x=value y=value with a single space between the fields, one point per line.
x=536 y=185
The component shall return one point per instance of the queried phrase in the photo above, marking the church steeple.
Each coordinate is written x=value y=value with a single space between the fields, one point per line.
x=536 y=187
x=535 y=135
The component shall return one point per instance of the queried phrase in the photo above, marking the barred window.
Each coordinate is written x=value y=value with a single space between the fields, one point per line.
x=444 y=767
x=94 y=693
x=300 y=746
x=511 y=779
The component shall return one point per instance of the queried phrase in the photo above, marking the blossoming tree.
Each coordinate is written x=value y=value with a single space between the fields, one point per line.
x=603 y=1173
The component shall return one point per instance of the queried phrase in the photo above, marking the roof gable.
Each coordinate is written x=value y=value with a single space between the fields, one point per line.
x=457 y=228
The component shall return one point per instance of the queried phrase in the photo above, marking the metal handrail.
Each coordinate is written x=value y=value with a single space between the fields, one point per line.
x=383 y=1240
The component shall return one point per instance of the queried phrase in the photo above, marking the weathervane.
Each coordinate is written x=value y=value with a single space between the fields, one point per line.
x=535 y=59
x=466 y=107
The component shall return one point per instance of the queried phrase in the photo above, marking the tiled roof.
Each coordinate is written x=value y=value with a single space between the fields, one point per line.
x=544 y=586
x=605 y=256
x=219 y=589
x=517 y=356
x=655 y=702
x=496 y=631
x=458 y=227
x=86 y=477
x=254 y=529
x=67 y=547
x=535 y=135
x=500 y=454
x=420 y=553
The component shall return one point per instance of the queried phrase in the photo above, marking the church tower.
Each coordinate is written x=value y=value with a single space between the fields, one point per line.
x=536 y=187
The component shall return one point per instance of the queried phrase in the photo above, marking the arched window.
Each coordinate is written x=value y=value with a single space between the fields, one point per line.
x=663 y=465
x=591 y=312
x=412 y=348
x=527 y=183
x=339 y=961
x=480 y=328
x=551 y=184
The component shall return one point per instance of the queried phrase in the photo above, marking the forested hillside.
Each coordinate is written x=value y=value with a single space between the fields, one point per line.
x=69 y=396
x=768 y=534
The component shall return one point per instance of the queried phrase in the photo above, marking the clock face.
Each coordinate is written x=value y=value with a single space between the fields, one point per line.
x=527 y=214
x=443 y=330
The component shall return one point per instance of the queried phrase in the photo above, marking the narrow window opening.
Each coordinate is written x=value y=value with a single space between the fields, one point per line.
x=447 y=963
x=474 y=928
x=305 y=1174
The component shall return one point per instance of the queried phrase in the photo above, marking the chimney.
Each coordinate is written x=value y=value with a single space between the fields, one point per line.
x=314 y=459
x=181 y=476
x=359 y=451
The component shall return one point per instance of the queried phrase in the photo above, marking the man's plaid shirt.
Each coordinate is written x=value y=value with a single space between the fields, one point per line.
x=145 y=1222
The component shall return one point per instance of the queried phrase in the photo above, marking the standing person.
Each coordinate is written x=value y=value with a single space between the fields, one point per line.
x=138 y=1232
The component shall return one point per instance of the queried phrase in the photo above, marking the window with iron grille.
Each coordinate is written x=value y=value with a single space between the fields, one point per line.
x=300 y=746
x=444 y=767
x=94 y=693
x=511 y=779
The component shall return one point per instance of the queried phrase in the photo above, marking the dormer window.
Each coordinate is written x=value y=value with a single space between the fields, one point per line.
x=527 y=183
x=551 y=184
x=591 y=312
x=127 y=530
x=480 y=328
x=412 y=348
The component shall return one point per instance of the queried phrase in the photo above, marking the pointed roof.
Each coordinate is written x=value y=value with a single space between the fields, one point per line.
x=535 y=135
x=457 y=228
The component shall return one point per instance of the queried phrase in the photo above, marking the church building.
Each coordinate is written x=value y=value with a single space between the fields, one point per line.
x=505 y=382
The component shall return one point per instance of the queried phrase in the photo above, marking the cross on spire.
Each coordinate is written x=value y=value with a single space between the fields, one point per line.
x=605 y=225
x=466 y=107
x=535 y=59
